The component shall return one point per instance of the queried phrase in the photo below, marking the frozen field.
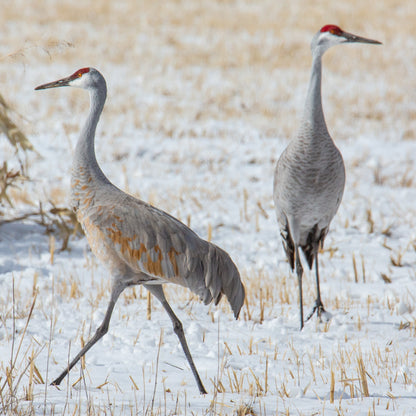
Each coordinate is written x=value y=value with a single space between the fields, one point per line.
x=203 y=96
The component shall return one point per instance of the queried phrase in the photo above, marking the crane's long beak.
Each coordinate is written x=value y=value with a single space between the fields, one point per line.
x=64 y=82
x=349 y=37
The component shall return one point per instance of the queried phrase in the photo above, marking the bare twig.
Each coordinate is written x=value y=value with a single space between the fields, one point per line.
x=157 y=369
x=56 y=219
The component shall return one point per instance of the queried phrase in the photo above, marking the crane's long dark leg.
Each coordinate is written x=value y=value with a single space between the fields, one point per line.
x=299 y=272
x=100 y=332
x=157 y=291
x=318 y=307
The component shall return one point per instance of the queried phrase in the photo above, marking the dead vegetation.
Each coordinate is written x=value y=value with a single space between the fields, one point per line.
x=11 y=177
x=56 y=220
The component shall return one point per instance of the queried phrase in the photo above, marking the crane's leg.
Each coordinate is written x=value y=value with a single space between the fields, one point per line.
x=100 y=332
x=299 y=272
x=157 y=291
x=318 y=307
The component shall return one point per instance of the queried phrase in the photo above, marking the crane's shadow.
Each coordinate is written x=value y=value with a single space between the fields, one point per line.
x=24 y=245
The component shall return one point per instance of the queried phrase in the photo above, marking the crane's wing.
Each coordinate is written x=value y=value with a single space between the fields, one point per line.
x=153 y=242
x=279 y=195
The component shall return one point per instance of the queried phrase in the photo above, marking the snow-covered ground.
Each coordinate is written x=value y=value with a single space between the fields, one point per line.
x=194 y=125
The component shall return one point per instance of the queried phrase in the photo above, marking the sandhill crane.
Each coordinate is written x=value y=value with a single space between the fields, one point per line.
x=310 y=174
x=139 y=243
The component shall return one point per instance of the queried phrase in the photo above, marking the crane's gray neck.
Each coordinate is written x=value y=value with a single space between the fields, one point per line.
x=313 y=115
x=85 y=151
x=86 y=174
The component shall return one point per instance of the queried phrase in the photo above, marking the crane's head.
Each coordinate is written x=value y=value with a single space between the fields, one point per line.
x=86 y=78
x=331 y=35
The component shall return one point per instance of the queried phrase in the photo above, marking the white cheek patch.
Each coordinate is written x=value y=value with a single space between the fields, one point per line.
x=78 y=82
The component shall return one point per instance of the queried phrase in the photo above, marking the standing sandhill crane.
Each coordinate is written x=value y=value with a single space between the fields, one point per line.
x=310 y=174
x=140 y=244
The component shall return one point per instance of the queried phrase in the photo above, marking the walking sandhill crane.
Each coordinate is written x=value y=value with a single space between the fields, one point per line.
x=140 y=244
x=310 y=175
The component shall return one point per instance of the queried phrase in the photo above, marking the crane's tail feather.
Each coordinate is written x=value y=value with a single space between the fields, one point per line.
x=288 y=246
x=314 y=242
x=222 y=277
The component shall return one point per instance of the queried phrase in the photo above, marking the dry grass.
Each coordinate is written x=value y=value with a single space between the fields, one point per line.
x=348 y=373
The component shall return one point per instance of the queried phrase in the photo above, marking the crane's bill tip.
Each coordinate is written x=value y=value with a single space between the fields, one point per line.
x=46 y=86
x=39 y=87
x=60 y=83
x=375 y=42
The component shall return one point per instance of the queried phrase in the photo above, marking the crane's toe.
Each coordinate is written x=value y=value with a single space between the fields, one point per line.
x=320 y=311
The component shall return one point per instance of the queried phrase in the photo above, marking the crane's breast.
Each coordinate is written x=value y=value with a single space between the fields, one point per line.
x=99 y=244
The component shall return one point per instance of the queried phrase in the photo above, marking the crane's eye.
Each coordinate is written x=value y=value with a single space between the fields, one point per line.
x=80 y=73
x=335 y=31
x=332 y=29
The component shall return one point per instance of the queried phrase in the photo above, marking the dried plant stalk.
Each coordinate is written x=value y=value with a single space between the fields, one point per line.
x=332 y=387
x=149 y=306
x=363 y=377
x=9 y=128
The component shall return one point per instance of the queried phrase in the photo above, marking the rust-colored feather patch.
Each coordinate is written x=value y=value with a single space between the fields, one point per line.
x=172 y=253
x=141 y=256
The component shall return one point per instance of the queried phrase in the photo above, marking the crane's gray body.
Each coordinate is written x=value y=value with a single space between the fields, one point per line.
x=309 y=178
x=139 y=243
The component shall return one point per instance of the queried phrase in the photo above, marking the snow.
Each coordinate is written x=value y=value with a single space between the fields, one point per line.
x=168 y=136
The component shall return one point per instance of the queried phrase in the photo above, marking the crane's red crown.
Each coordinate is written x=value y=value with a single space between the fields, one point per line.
x=80 y=73
x=334 y=29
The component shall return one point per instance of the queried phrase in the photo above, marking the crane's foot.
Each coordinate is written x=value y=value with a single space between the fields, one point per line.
x=321 y=313
x=199 y=383
x=56 y=382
